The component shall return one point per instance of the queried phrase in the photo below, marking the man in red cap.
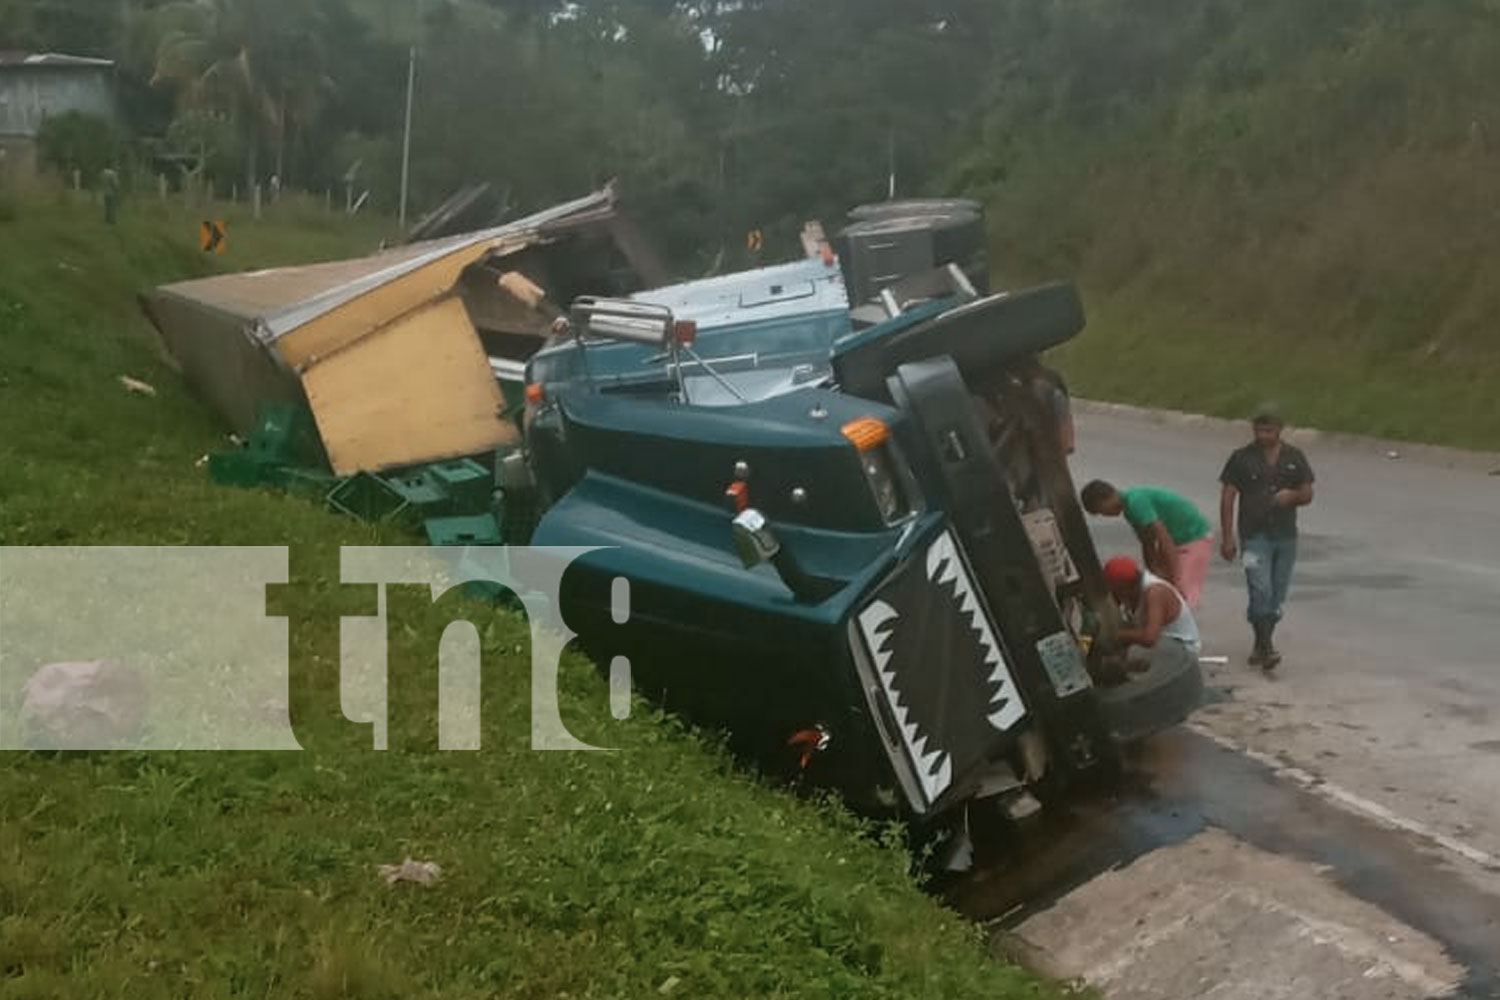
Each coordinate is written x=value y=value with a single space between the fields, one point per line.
x=1156 y=616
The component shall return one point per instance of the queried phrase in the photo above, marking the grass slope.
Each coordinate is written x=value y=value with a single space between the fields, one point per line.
x=1263 y=200
x=1155 y=352
x=658 y=868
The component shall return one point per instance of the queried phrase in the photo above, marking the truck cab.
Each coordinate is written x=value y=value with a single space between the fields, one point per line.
x=851 y=536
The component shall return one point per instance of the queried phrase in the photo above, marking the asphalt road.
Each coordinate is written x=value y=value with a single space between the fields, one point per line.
x=1332 y=830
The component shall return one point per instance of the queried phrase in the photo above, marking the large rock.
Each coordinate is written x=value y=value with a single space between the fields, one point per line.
x=89 y=705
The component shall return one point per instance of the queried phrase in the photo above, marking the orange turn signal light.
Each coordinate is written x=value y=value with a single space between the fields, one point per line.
x=866 y=433
x=535 y=395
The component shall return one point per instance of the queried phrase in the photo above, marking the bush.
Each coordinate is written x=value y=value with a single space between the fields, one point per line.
x=77 y=140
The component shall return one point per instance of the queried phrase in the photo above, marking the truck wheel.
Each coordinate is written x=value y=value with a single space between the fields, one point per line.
x=1162 y=697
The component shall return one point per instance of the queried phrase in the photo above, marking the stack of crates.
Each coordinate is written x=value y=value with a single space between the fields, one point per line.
x=453 y=500
x=467 y=517
x=459 y=489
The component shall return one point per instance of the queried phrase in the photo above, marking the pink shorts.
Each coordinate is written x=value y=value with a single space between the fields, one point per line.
x=1193 y=561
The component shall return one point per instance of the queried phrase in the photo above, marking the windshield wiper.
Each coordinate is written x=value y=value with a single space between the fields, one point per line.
x=656 y=359
x=716 y=376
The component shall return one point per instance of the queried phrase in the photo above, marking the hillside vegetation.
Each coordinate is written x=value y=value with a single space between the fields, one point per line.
x=1267 y=200
x=660 y=869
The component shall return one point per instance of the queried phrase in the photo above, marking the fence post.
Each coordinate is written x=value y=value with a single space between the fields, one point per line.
x=78 y=180
x=255 y=197
x=161 y=186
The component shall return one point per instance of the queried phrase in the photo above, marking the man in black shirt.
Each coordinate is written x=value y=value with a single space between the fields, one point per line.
x=1270 y=480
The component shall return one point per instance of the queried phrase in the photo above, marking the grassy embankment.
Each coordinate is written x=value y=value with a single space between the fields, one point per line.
x=658 y=868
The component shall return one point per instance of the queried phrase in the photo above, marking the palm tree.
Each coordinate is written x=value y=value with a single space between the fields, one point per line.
x=258 y=61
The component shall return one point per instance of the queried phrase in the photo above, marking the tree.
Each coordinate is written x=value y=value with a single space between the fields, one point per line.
x=261 y=62
x=78 y=27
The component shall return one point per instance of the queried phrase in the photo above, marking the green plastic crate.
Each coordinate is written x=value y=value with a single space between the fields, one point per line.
x=468 y=483
x=422 y=490
x=480 y=529
x=286 y=434
x=367 y=496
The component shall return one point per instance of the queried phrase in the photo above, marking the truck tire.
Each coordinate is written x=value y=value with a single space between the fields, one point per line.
x=980 y=336
x=1147 y=703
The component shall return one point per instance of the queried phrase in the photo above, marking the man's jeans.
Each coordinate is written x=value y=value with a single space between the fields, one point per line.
x=1268 y=571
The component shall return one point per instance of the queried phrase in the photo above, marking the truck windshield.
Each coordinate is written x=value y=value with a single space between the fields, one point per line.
x=785 y=343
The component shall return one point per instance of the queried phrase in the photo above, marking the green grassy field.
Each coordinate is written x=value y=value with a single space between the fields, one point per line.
x=662 y=869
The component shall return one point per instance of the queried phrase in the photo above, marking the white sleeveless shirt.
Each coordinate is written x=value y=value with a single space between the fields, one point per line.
x=1183 y=628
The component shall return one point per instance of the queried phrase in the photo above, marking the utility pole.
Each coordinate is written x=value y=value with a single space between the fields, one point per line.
x=411 y=76
x=891 y=160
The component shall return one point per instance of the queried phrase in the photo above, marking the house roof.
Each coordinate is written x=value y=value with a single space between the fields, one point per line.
x=17 y=60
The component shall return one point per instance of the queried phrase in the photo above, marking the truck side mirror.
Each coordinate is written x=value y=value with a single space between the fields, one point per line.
x=756 y=544
x=753 y=539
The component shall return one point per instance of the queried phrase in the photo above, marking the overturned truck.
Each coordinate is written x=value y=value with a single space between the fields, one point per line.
x=401 y=357
x=849 y=529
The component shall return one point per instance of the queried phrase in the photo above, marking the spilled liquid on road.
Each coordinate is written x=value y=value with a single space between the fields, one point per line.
x=1179 y=784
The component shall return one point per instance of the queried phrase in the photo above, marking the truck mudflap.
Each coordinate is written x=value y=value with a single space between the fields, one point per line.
x=1045 y=657
x=936 y=676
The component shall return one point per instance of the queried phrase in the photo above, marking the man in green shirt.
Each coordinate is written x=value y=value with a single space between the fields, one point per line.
x=1176 y=539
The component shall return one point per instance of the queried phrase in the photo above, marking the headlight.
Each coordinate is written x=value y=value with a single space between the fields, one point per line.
x=882 y=479
x=872 y=439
